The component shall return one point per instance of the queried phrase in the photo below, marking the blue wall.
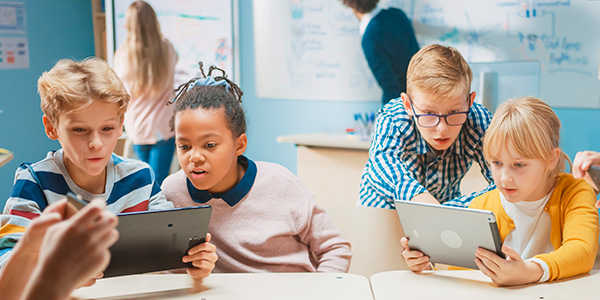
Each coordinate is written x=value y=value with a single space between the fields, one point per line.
x=55 y=30
x=58 y=29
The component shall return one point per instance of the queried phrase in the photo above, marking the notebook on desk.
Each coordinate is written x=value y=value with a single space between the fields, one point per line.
x=449 y=235
x=153 y=241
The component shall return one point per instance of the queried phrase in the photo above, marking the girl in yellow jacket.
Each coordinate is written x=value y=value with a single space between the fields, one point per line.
x=546 y=218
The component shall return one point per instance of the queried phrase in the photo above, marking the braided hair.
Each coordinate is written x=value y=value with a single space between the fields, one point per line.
x=210 y=92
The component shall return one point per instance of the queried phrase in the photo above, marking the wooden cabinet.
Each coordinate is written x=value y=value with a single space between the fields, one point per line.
x=99 y=20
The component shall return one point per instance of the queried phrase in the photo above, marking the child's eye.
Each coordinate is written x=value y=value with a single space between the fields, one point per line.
x=183 y=147
x=519 y=165
x=497 y=163
x=78 y=129
x=108 y=128
x=211 y=145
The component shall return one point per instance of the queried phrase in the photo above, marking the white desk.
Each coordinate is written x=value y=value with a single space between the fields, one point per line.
x=259 y=286
x=474 y=285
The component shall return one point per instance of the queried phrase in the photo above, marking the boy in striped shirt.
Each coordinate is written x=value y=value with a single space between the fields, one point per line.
x=83 y=105
x=426 y=140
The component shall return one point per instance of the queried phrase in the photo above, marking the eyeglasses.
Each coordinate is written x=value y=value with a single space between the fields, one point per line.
x=432 y=120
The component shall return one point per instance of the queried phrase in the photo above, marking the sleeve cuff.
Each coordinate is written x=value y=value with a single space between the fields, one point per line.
x=545 y=269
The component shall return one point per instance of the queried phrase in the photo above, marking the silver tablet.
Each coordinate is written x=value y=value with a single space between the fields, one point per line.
x=153 y=241
x=449 y=235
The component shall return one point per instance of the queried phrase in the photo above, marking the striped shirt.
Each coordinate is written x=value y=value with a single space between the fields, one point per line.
x=130 y=186
x=402 y=165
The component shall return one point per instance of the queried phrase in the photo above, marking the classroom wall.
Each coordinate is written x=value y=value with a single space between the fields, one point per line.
x=70 y=21
x=269 y=118
x=55 y=30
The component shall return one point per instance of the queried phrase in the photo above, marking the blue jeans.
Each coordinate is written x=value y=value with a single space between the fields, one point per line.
x=158 y=156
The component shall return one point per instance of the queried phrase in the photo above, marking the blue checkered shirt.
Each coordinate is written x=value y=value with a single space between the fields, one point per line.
x=399 y=167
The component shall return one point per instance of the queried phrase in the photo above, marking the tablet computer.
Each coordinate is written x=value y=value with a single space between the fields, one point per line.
x=449 y=235
x=151 y=241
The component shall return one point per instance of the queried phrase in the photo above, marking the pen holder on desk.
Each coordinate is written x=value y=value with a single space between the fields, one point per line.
x=364 y=125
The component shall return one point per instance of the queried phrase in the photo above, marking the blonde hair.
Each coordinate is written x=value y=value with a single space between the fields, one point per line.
x=439 y=71
x=531 y=126
x=78 y=84
x=146 y=50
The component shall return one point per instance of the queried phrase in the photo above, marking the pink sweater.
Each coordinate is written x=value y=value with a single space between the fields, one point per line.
x=147 y=118
x=276 y=227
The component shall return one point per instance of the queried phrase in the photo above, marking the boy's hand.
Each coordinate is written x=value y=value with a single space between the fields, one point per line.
x=203 y=257
x=414 y=259
x=510 y=271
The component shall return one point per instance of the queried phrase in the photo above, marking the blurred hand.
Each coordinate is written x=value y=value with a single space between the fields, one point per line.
x=582 y=163
x=76 y=250
x=31 y=241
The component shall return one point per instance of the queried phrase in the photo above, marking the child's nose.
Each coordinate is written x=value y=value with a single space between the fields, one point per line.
x=95 y=142
x=506 y=177
x=442 y=126
x=197 y=157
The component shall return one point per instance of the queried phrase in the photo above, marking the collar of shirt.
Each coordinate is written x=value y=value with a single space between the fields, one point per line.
x=366 y=18
x=525 y=208
x=233 y=196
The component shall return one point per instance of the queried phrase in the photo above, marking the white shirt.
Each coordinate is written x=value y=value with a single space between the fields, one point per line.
x=366 y=18
x=531 y=235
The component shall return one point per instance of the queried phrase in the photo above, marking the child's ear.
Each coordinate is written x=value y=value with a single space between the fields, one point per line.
x=471 y=98
x=406 y=103
x=49 y=128
x=556 y=155
x=241 y=143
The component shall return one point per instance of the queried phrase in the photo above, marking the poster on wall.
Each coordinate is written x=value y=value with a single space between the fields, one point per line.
x=14 y=53
x=14 y=47
x=12 y=18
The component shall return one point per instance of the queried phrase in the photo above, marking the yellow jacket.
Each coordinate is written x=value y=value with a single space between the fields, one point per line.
x=574 y=232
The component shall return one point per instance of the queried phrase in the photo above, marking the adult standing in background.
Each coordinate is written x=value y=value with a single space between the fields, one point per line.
x=388 y=42
x=146 y=65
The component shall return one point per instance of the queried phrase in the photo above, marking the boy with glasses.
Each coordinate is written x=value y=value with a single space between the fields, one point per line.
x=426 y=140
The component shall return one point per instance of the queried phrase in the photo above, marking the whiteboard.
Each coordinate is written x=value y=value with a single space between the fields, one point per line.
x=200 y=30
x=310 y=50
x=560 y=34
